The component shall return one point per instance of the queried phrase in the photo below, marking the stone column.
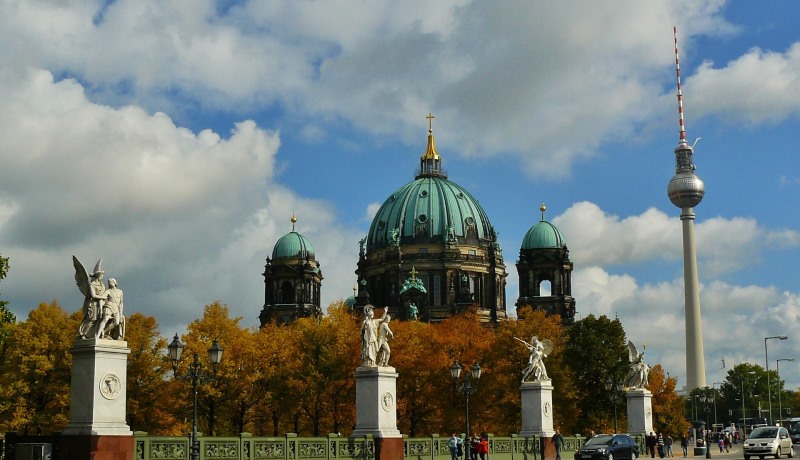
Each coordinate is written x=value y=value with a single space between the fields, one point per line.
x=640 y=411
x=97 y=428
x=537 y=409
x=376 y=410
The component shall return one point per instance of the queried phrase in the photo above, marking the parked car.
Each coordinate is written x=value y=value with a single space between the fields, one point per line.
x=609 y=447
x=768 y=440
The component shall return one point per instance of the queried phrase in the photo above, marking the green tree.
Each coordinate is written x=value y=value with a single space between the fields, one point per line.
x=596 y=350
x=744 y=388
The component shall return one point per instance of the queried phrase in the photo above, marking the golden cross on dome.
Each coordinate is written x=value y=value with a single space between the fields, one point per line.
x=413 y=273
x=430 y=118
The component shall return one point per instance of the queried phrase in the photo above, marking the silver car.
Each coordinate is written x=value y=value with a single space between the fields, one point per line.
x=768 y=440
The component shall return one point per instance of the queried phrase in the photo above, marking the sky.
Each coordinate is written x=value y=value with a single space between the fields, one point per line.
x=175 y=140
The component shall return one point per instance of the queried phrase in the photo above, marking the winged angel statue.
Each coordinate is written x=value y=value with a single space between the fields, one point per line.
x=536 y=372
x=102 y=307
x=639 y=370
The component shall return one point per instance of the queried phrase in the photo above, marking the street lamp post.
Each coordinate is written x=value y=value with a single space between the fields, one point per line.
x=715 y=400
x=766 y=361
x=195 y=375
x=707 y=399
x=614 y=388
x=466 y=389
x=780 y=406
x=744 y=425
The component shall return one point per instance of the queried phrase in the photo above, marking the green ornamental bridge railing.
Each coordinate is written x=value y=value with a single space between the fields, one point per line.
x=333 y=447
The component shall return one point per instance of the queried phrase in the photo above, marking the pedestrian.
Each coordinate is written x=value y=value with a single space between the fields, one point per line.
x=660 y=444
x=721 y=444
x=558 y=442
x=473 y=447
x=668 y=441
x=455 y=445
x=483 y=447
x=650 y=443
x=727 y=442
x=684 y=446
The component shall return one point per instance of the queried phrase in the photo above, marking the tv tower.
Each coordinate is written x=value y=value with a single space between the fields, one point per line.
x=686 y=190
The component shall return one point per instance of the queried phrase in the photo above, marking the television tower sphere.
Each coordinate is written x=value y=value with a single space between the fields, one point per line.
x=685 y=189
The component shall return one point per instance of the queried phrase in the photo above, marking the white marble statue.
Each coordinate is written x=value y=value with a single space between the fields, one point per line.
x=102 y=307
x=536 y=372
x=111 y=324
x=639 y=371
x=384 y=336
x=369 y=336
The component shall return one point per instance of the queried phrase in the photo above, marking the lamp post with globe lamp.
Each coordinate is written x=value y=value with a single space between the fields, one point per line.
x=614 y=389
x=467 y=390
x=195 y=375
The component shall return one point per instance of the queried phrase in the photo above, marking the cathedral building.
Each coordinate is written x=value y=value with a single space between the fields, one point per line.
x=430 y=252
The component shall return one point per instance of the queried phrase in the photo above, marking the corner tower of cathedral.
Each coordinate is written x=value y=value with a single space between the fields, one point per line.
x=431 y=245
x=292 y=280
x=544 y=259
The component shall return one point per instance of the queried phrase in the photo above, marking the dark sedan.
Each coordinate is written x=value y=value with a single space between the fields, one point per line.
x=609 y=447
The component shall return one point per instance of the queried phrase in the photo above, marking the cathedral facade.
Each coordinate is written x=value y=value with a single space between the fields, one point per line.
x=430 y=252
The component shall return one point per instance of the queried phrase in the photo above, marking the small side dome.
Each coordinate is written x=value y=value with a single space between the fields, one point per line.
x=293 y=246
x=543 y=235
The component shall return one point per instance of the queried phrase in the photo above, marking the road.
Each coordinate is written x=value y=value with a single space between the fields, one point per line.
x=735 y=453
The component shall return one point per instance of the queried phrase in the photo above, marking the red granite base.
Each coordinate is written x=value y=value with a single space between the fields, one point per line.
x=389 y=449
x=548 y=448
x=95 y=447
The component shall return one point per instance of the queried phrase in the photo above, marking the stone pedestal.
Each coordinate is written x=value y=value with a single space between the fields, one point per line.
x=537 y=409
x=640 y=411
x=376 y=410
x=97 y=428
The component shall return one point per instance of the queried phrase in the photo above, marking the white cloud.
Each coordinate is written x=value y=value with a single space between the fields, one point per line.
x=758 y=87
x=723 y=244
x=506 y=70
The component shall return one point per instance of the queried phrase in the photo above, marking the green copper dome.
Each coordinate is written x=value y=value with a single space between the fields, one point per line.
x=293 y=246
x=543 y=235
x=429 y=209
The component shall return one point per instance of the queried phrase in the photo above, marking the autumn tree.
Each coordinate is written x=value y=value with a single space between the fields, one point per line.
x=276 y=347
x=215 y=393
x=668 y=407
x=321 y=370
x=508 y=358
x=39 y=363
x=151 y=406
x=7 y=322
x=424 y=368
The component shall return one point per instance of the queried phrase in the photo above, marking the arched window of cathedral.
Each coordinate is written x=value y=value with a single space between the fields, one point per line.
x=545 y=289
x=287 y=292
